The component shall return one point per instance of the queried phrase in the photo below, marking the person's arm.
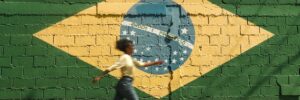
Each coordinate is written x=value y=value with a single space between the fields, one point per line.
x=143 y=64
x=115 y=66
x=100 y=76
x=153 y=63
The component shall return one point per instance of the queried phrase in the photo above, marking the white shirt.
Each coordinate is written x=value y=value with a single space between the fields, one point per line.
x=127 y=65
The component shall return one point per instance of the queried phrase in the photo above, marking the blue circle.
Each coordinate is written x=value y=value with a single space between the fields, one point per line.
x=157 y=29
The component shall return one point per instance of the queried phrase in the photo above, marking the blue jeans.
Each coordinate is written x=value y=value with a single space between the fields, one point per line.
x=124 y=89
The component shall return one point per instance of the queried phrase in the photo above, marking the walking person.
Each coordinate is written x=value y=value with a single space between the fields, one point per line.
x=127 y=64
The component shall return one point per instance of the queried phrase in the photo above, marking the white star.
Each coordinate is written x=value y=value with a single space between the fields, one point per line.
x=142 y=53
x=181 y=58
x=156 y=68
x=174 y=61
x=141 y=60
x=132 y=33
x=156 y=59
x=185 y=51
x=135 y=51
x=165 y=68
x=124 y=32
x=146 y=68
x=128 y=38
x=148 y=48
x=166 y=61
x=175 y=53
x=184 y=31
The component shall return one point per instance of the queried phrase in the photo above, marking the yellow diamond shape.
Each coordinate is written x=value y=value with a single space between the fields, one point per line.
x=220 y=35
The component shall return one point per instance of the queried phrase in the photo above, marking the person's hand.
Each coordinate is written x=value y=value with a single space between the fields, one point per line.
x=96 y=79
x=158 y=62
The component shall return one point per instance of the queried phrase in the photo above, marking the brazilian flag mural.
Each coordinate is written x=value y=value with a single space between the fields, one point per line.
x=212 y=49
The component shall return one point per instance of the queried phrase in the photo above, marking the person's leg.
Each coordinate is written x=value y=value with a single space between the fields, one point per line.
x=119 y=91
x=128 y=91
x=132 y=95
x=125 y=90
x=118 y=96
